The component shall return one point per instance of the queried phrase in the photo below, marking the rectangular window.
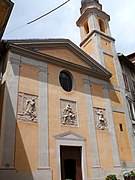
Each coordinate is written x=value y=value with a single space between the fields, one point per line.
x=133 y=84
x=131 y=106
x=121 y=127
x=125 y=81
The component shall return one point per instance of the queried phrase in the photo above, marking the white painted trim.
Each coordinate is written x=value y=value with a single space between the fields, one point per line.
x=8 y=127
x=75 y=143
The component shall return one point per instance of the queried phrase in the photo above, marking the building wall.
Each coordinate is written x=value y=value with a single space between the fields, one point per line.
x=122 y=137
x=5 y=10
x=103 y=136
x=65 y=54
x=56 y=93
x=28 y=152
x=1 y=102
x=26 y=148
x=102 y=48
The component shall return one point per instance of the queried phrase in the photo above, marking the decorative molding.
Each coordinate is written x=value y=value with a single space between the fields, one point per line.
x=71 y=138
x=95 y=32
x=15 y=61
x=100 y=119
x=43 y=69
x=86 y=80
x=117 y=109
x=89 y=12
x=101 y=72
x=70 y=135
x=106 y=85
x=68 y=113
x=27 y=107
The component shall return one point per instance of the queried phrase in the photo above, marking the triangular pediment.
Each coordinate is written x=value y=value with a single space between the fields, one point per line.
x=65 y=54
x=70 y=135
x=61 y=52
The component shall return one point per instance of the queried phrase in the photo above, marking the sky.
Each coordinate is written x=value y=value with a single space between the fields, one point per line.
x=62 y=23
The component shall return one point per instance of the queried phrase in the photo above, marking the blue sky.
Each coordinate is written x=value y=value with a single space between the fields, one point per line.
x=62 y=23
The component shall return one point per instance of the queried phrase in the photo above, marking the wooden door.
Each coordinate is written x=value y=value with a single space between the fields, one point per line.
x=70 y=163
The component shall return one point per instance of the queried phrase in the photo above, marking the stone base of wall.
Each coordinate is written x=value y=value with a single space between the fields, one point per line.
x=12 y=174
x=99 y=174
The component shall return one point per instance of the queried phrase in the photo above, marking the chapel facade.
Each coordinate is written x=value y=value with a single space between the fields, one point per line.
x=63 y=108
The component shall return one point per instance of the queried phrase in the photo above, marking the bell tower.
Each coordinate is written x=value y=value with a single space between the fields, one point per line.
x=96 y=41
x=94 y=29
x=96 y=37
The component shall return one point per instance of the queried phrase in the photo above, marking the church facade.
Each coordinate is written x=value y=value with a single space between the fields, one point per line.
x=63 y=109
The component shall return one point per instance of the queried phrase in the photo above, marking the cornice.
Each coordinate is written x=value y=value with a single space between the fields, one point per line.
x=25 y=48
x=126 y=61
x=96 y=32
x=36 y=44
x=92 y=3
x=90 y=11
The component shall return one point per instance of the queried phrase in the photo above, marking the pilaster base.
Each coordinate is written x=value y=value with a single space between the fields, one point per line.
x=99 y=173
x=12 y=174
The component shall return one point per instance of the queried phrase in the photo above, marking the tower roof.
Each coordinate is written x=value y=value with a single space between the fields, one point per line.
x=90 y=4
x=82 y=1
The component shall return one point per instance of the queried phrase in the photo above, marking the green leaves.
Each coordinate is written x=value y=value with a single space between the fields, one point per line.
x=111 y=177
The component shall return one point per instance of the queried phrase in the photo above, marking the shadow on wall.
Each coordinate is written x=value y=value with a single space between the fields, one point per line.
x=26 y=154
x=30 y=75
x=1 y=102
x=19 y=159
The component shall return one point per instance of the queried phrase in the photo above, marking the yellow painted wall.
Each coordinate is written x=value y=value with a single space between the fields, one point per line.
x=26 y=150
x=56 y=93
x=105 y=149
x=115 y=97
x=28 y=81
x=64 y=54
x=97 y=96
x=85 y=24
x=106 y=45
x=110 y=66
x=103 y=137
x=88 y=48
x=122 y=137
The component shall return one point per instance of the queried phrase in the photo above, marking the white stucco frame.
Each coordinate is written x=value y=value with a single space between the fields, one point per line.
x=71 y=139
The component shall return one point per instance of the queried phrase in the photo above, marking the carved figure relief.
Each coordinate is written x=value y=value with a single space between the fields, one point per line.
x=68 y=113
x=27 y=107
x=100 y=119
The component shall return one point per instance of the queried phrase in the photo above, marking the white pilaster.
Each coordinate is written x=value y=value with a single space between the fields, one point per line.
x=91 y=124
x=111 y=129
x=7 y=141
x=43 y=117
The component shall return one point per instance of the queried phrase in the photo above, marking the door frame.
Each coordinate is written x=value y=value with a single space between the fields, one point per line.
x=71 y=153
x=71 y=139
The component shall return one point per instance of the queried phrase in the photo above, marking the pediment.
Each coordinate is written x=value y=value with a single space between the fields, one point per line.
x=61 y=52
x=70 y=135
x=66 y=55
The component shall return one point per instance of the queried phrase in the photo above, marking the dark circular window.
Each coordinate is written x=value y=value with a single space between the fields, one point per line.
x=66 y=80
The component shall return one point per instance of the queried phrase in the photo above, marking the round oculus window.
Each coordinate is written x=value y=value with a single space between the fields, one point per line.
x=66 y=80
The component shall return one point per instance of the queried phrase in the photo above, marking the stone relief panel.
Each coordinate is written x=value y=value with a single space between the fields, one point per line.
x=68 y=113
x=100 y=119
x=27 y=107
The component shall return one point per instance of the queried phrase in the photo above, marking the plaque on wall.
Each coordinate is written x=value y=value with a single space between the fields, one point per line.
x=68 y=113
x=27 y=107
x=100 y=119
